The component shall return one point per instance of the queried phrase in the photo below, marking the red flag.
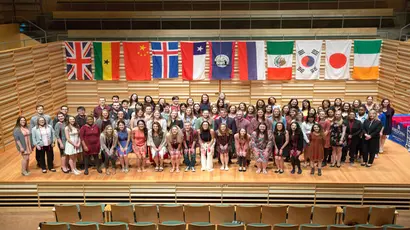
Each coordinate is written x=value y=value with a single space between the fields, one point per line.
x=137 y=61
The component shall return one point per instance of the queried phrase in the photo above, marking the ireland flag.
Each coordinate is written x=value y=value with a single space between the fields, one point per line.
x=279 y=60
x=308 y=59
x=366 y=59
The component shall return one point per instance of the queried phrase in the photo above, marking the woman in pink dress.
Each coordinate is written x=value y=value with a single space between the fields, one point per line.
x=139 y=144
x=242 y=139
x=90 y=140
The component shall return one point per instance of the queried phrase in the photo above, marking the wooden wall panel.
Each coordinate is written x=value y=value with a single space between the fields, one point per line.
x=30 y=76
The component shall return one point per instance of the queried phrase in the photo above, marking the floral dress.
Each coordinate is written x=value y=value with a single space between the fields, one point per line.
x=261 y=147
x=336 y=131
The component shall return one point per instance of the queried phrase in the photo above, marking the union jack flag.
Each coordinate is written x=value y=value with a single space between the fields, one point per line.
x=78 y=59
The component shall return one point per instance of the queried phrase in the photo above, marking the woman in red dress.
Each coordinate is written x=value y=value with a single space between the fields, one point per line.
x=90 y=140
x=316 y=148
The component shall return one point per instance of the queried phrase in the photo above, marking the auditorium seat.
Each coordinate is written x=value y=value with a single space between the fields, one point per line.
x=367 y=227
x=355 y=215
x=171 y=212
x=341 y=227
x=142 y=226
x=380 y=216
x=284 y=226
x=84 y=226
x=122 y=213
x=299 y=214
x=258 y=226
x=394 y=227
x=313 y=227
x=201 y=226
x=67 y=213
x=274 y=214
x=113 y=226
x=324 y=215
x=92 y=212
x=54 y=226
x=230 y=226
x=221 y=213
x=146 y=213
x=172 y=225
x=248 y=214
x=196 y=213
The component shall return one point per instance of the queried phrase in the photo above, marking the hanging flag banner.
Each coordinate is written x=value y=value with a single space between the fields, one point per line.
x=164 y=59
x=221 y=60
x=251 y=56
x=193 y=60
x=107 y=61
x=137 y=61
x=366 y=59
x=279 y=59
x=338 y=59
x=78 y=59
x=308 y=59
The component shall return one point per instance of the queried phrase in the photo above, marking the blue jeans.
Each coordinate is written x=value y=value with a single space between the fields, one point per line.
x=189 y=158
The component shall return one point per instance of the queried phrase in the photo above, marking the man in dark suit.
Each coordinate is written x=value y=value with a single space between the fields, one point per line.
x=230 y=123
x=353 y=133
x=371 y=138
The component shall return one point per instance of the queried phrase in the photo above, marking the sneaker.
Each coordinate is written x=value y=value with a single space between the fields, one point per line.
x=240 y=169
x=193 y=169
x=187 y=169
x=293 y=171
x=300 y=171
x=210 y=170
x=277 y=171
x=312 y=171
x=319 y=172
x=226 y=168
x=281 y=171
x=24 y=173
x=222 y=168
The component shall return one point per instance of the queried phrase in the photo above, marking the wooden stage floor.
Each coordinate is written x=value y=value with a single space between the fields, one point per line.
x=392 y=167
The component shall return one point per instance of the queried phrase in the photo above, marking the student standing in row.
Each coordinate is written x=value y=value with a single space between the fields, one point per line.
x=174 y=141
x=90 y=139
x=22 y=137
x=280 y=141
x=43 y=139
x=139 y=144
x=156 y=141
x=261 y=144
x=242 y=139
x=295 y=146
x=72 y=144
x=206 y=141
x=189 y=146
x=33 y=123
x=59 y=129
x=371 y=138
x=109 y=141
x=317 y=146
x=224 y=139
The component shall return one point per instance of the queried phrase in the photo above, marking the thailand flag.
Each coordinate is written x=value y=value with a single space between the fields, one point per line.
x=221 y=60
x=165 y=59
x=193 y=60
x=251 y=57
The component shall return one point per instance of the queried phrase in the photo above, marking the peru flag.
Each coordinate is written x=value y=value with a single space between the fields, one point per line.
x=251 y=60
x=193 y=60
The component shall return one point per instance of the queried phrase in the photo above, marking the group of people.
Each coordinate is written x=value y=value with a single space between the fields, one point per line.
x=264 y=131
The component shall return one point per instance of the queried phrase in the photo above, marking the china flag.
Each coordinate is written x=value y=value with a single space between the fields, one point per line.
x=137 y=61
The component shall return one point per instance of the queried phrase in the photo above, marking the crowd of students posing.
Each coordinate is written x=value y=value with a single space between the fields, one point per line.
x=262 y=131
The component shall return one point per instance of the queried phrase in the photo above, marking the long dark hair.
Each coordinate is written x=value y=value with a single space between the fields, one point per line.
x=160 y=132
x=202 y=102
x=276 y=131
x=145 y=128
x=260 y=107
x=75 y=125
x=118 y=126
x=202 y=129
x=131 y=100
x=298 y=130
x=323 y=104
x=152 y=103
x=195 y=112
x=308 y=107
x=18 y=122
x=265 y=133
x=296 y=106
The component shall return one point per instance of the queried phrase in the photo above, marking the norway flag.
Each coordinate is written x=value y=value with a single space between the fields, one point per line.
x=251 y=57
x=193 y=60
x=221 y=60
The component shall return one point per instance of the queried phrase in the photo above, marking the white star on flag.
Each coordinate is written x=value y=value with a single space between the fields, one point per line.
x=200 y=48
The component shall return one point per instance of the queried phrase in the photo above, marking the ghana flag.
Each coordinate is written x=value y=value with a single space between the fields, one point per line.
x=107 y=60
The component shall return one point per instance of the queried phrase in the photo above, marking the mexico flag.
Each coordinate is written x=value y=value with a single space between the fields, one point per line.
x=279 y=59
x=308 y=59
x=366 y=59
x=106 y=60
x=337 y=59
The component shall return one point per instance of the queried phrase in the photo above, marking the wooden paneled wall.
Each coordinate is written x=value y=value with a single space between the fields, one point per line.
x=30 y=76
x=395 y=74
x=87 y=93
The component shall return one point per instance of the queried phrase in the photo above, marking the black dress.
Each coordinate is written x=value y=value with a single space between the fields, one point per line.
x=372 y=128
x=280 y=139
